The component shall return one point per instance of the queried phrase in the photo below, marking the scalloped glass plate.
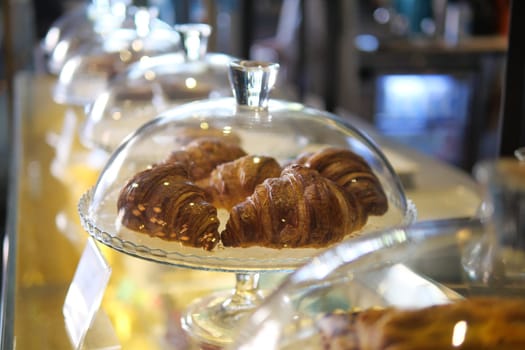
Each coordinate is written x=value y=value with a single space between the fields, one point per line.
x=253 y=259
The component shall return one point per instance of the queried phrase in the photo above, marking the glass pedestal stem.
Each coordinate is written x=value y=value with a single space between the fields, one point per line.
x=246 y=293
x=214 y=319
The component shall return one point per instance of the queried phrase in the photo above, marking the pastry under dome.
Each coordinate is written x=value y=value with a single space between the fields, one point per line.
x=289 y=133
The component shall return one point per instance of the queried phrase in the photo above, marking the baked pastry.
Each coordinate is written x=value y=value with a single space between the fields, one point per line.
x=318 y=202
x=109 y=64
x=162 y=202
x=136 y=92
x=231 y=183
x=351 y=172
x=300 y=208
x=178 y=90
x=487 y=323
x=202 y=155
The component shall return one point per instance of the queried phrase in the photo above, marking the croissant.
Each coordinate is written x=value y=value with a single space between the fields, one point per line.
x=162 y=202
x=300 y=208
x=230 y=183
x=202 y=155
x=352 y=173
x=491 y=323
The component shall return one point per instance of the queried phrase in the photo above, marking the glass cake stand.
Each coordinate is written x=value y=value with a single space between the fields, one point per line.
x=262 y=127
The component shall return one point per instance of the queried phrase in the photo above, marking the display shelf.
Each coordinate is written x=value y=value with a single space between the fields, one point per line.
x=44 y=240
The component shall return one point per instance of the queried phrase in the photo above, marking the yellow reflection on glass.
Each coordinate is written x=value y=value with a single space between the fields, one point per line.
x=150 y=75
x=123 y=323
x=137 y=45
x=458 y=334
x=464 y=235
x=204 y=126
x=117 y=115
x=190 y=83
x=227 y=130
x=125 y=55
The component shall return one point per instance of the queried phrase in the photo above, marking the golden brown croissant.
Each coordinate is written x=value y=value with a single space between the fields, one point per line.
x=202 y=155
x=490 y=323
x=162 y=202
x=352 y=173
x=300 y=208
x=230 y=183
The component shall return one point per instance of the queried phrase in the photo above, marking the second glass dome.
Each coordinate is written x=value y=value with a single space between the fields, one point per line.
x=153 y=85
x=84 y=71
x=243 y=184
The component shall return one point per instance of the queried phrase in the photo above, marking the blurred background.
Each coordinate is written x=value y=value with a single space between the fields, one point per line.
x=427 y=73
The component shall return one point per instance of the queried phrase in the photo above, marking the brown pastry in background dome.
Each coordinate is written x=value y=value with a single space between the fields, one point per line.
x=108 y=63
x=202 y=155
x=179 y=91
x=162 y=202
x=134 y=93
x=300 y=208
x=230 y=183
x=488 y=323
x=351 y=172
x=185 y=135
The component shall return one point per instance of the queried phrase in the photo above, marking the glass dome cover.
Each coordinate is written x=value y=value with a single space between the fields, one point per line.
x=264 y=129
x=86 y=69
x=405 y=268
x=153 y=85
x=83 y=22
